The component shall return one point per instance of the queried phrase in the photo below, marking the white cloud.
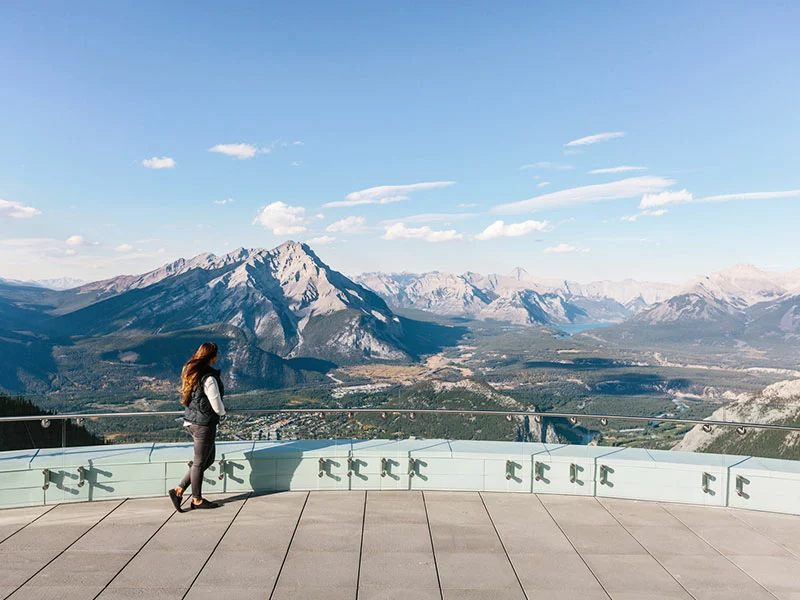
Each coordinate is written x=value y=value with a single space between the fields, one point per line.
x=644 y=213
x=240 y=151
x=70 y=252
x=431 y=218
x=594 y=139
x=615 y=190
x=321 y=241
x=76 y=240
x=752 y=196
x=622 y=169
x=17 y=210
x=547 y=165
x=282 y=219
x=500 y=229
x=565 y=249
x=399 y=231
x=124 y=248
x=465 y=205
x=386 y=194
x=295 y=163
x=347 y=225
x=164 y=162
x=664 y=198
x=224 y=202
x=297 y=143
x=542 y=184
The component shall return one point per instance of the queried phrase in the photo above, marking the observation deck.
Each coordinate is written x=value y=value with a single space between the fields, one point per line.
x=390 y=519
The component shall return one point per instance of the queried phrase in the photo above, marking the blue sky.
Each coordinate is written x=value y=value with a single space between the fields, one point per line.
x=459 y=116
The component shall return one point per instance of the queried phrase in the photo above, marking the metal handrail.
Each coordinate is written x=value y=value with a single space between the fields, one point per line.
x=415 y=411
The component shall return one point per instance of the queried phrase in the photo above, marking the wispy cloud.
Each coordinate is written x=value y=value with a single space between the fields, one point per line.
x=282 y=219
x=322 y=240
x=566 y=249
x=124 y=248
x=347 y=225
x=644 y=213
x=615 y=190
x=752 y=196
x=240 y=151
x=224 y=202
x=542 y=184
x=386 y=194
x=295 y=163
x=399 y=231
x=17 y=210
x=431 y=218
x=595 y=139
x=664 y=198
x=467 y=205
x=547 y=165
x=499 y=229
x=621 y=169
x=165 y=162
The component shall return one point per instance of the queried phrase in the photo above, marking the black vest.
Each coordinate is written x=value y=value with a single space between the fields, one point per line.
x=199 y=410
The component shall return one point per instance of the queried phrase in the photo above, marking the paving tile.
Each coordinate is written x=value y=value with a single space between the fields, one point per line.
x=308 y=592
x=410 y=570
x=481 y=571
x=634 y=513
x=240 y=568
x=704 y=574
x=574 y=510
x=13 y=519
x=61 y=592
x=488 y=594
x=547 y=572
x=779 y=574
x=603 y=539
x=633 y=574
x=394 y=537
x=319 y=570
x=81 y=568
x=525 y=526
x=781 y=529
x=676 y=540
x=142 y=593
x=388 y=593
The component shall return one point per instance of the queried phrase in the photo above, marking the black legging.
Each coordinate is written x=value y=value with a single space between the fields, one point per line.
x=205 y=449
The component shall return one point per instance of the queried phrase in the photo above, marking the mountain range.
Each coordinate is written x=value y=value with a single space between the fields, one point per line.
x=279 y=314
x=284 y=317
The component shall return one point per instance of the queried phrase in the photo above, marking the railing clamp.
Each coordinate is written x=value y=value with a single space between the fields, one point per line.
x=537 y=470
x=349 y=467
x=322 y=465
x=603 y=475
x=412 y=466
x=383 y=467
x=81 y=476
x=221 y=470
x=706 y=483
x=509 y=469
x=46 y=473
x=740 y=481
x=573 y=473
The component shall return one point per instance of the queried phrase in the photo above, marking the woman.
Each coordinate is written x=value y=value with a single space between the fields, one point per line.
x=202 y=397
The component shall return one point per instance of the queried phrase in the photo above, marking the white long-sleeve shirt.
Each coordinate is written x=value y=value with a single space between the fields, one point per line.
x=211 y=390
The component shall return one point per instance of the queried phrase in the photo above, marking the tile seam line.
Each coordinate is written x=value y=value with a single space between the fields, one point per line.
x=566 y=537
x=643 y=547
x=433 y=549
x=8 y=537
x=361 y=545
x=130 y=560
x=214 y=549
x=289 y=546
x=722 y=554
x=502 y=545
x=749 y=526
x=65 y=549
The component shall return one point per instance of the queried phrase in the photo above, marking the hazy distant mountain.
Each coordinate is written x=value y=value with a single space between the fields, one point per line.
x=517 y=298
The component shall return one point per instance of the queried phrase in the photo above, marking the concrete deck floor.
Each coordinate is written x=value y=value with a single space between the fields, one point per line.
x=392 y=545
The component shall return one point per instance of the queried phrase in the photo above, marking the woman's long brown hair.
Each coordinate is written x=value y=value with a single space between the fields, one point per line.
x=195 y=367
